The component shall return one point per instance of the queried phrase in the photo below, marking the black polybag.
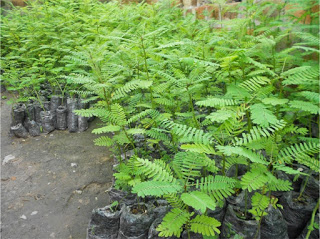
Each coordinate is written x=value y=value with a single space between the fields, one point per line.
x=315 y=233
x=18 y=114
x=312 y=187
x=19 y=131
x=47 y=122
x=160 y=208
x=273 y=225
x=233 y=225
x=61 y=114
x=135 y=226
x=83 y=124
x=55 y=102
x=104 y=223
x=240 y=199
x=32 y=127
x=296 y=214
x=72 y=105
x=46 y=105
x=218 y=213
x=30 y=112
x=122 y=197
x=37 y=111
x=192 y=235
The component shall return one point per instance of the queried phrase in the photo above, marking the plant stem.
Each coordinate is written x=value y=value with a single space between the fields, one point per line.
x=131 y=142
x=245 y=203
x=223 y=165
x=304 y=186
x=146 y=68
x=311 y=228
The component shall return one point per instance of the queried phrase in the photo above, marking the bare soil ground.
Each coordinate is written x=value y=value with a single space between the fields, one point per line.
x=52 y=182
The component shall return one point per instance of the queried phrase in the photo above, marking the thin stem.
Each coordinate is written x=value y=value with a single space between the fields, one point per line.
x=131 y=142
x=311 y=226
x=245 y=203
x=304 y=186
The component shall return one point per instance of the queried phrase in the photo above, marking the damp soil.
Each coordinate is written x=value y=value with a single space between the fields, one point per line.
x=51 y=183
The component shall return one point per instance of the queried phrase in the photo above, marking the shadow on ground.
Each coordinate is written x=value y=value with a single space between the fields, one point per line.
x=52 y=183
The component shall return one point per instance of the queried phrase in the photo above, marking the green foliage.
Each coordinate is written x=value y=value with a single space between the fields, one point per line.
x=191 y=102
x=198 y=200
x=204 y=225
x=172 y=223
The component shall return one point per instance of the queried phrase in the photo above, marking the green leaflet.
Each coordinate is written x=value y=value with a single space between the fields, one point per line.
x=205 y=225
x=172 y=222
x=274 y=101
x=106 y=129
x=252 y=156
x=198 y=200
x=262 y=116
x=156 y=188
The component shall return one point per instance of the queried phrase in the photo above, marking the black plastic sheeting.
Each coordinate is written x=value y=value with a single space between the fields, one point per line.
x=135 y=226
x=47 y=122
x=233 y=225
x=104 y=223
x=19 y=131
x=273 y=225
x=122 y=197
x=33 y=128
x=315 y=233
x=72 y=105
x=295 y=213
x=61 y=114
x=18 y=114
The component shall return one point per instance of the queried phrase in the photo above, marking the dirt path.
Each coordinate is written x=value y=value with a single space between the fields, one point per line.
x=42 y=195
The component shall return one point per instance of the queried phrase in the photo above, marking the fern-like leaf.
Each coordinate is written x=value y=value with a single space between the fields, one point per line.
x=198 y=200
x=198 y=148
x=156 y=188
x=219 y=187
x=205 y=225
x=262 y=116
x=155 y=170
x=214 y=102
x=172 y=223
x=252 y=156
x=298 y=152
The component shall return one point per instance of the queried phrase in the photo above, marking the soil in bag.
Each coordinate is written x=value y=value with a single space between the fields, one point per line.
x=47 y=121
x=135 y=221
x=19 y=131
x=18 y=114
x=72 y=105
x=296 y=212
x=105 y=223
x=234 y=223
x=273 y=225
x=61 y=114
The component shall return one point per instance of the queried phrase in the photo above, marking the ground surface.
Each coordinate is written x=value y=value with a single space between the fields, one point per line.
x=42 y=195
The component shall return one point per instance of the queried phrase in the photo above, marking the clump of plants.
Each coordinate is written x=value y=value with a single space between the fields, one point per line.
x=221 y=122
